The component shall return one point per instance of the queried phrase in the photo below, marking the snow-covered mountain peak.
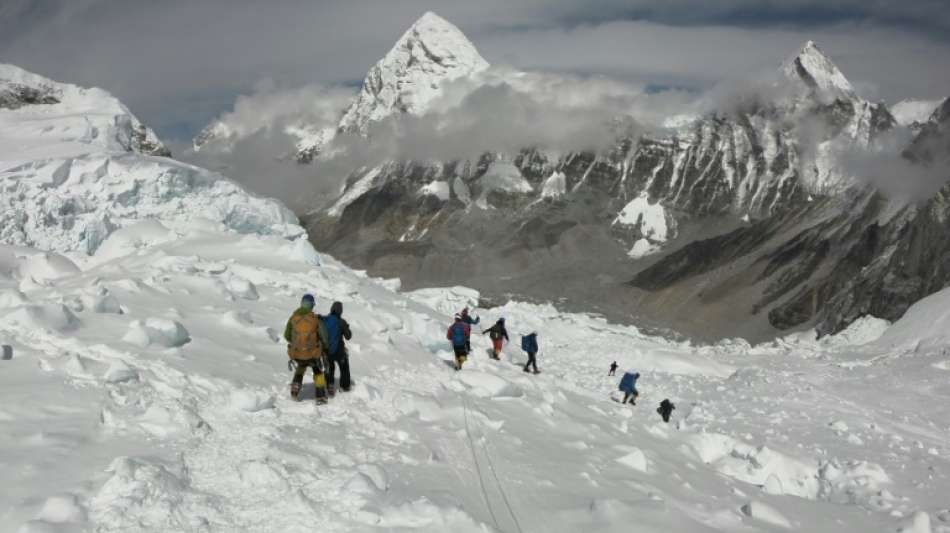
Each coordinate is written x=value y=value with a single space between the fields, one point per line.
x=911 y=112
x=430 y=53
x=818 y=72
x=10 y=74
x=942 y=113
x=86 y=116
x=75 y=167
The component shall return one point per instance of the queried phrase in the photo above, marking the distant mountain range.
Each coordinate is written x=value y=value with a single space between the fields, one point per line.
x=747 y=220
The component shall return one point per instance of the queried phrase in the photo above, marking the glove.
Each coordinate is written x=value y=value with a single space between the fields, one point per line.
x=291 y=365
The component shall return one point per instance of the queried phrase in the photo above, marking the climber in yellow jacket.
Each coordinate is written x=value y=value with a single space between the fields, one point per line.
x=307 y=345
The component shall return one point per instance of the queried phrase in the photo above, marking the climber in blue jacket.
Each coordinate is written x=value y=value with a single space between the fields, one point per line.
x=529 y=343
x=628 y=384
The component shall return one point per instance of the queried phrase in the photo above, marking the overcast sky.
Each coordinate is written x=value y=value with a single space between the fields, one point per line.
x=180 y=63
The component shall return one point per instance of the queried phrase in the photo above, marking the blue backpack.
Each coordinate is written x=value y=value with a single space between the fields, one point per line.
x=628 y=383
x=334 y=334
x=529 y=343
x=458 y=334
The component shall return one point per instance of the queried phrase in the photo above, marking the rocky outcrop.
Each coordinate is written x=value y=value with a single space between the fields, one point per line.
x=16 y=95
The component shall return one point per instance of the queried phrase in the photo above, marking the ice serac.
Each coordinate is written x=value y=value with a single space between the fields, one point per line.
x=433 y=51
x=76 y=165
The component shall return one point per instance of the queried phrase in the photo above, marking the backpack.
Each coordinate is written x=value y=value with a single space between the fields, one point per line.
x=334 y=332
x=529 y=344
x=494 y=333
x=305 y=340
x=458 y=334
x=628 y=383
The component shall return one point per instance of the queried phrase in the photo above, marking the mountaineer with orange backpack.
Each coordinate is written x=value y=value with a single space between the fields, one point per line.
x=307 y=347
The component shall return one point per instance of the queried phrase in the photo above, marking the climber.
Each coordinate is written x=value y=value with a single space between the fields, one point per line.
x=628 y=384
x=529 y=343
x=338 y=332
x=666 y=409
x=498 y=335
x=458 y=334
x=306 y=337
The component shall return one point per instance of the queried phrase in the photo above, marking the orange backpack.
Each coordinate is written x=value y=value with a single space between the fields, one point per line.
x=305 y=340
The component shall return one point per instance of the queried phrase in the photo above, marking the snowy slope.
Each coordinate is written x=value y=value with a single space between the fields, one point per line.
x=76 y=169
x=163 y=371
x=408 y=78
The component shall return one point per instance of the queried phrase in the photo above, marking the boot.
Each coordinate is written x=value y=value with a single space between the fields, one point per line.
x=295 y=391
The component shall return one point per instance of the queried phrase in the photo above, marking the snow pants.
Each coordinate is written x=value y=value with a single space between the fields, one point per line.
x=630 y=395
x=532 y=361
x=496 y=345
x=461 y=355
x=343 y=361
x=319 y=379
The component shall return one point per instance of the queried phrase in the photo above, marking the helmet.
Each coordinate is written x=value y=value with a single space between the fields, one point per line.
x=308 y=301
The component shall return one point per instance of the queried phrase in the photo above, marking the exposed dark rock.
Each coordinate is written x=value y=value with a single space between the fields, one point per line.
x=15 y=95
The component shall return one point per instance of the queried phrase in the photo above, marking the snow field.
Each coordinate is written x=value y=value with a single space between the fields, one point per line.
x=200 y=435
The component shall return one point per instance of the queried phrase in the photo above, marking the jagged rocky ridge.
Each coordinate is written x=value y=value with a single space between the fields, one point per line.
x=834 y=260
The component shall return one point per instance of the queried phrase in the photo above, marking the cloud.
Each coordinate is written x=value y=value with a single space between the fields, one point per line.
x=503 y=110
x=506 y=110
x=262 y=129
x=271 y=107
x=897 y=177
